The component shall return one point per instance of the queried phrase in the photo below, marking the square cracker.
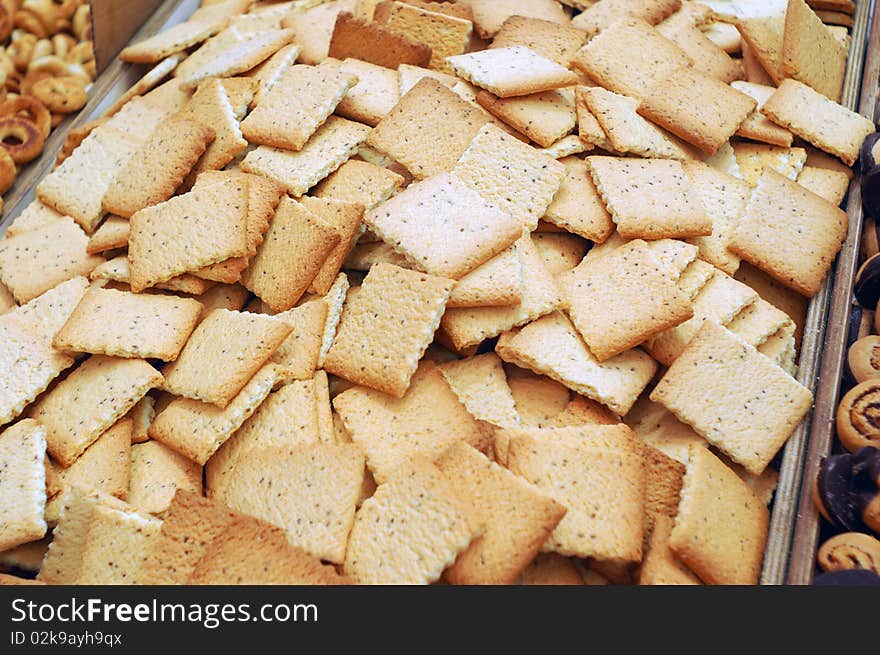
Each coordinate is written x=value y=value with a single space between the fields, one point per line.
x=496 y=283
x=481 y=386
x=297 y=172
x=310 y=491
x=429 y=129
x=707 y=56
x=810 y=52
x=297 y=106
x=577 y=206
x=715 y=378
x=757 y=126
x=91 y=399
x=293 y=253
x=158 y=166
x=425 y=421
x=539 y=402
x=375 y=43
x=109 y=322
x=721 y=527
x=223 y=353
x=758 y=322
x=211 y=106
x=629 y=57
x=518 y=518
x=545 y=117
x=555 y=41
x=831 y=185
x=512 y=71
x=187 y=232
x=35 y=214
x=345 y=219
x=551 y=346
x=35 y=261
x=111 y=234
x=117 y=270
x=176 y=38
x=445 y=226
x=779 y=208
x=196 y=429
x=360 y=183
x=822 y=122
x=420 y=507
x=142 y=415
x=297 y=358
x=287 y=417
x=490 y=15
x=754 y=158
x=596 y=17
x=583 y=411
x=510 y=174
x=46 y=314
x=157 y=472
x=396 y=312
x=700 y=109
x=560 y=251
x=660 y=566
x=263 y=77
x=623 y=299
x=602 y=485
x=446 y=35
x=375 y=94
x=649 y=198
x=23 y=483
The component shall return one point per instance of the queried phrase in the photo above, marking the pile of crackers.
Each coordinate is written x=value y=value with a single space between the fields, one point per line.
x=486 y=292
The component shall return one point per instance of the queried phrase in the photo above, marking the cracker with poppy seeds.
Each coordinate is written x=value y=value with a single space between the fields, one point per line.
x=223 y=353
x=660 y=566
x=565 y=147
x=550 y=569
x=158 y=166
x=335 y=300
x=23 y=483
x=366 y=255
x=240 y=92
x=297 y=172
x=700 y=109
x=314 y=28
x=396 y=312
x=227 y=296
x=657 y=427
x=445 y=226
x=156 y=474
x=291 y=256
x=197 y=429
x=425 y=421
x=760 y=404
x=375 y=43
x=602 y=485
x=298 y=104
x=229 y=53
x=708 y=58
x=35 y=214
x=589 y=129
x=637 y=296
x=109 y=322
x=481 y=386
x=167 y=42
x=373 y=96
x=539 y=401
x=445 y=34
x=545 y=117
x=117 y=270
x=757 y=126
x=266 y=74
x=490 y=15
x=627 y=131
x=777 y=209
x=517 y=517
x=111 y=234
x=297 y=357
x=345 y=218
x=831 y=185
x=630 y=57
x=649 y=198
x=162 y=245
x=361 y=183
x=719 y=300
x=758 y=322
x=584 y=411
x=754 y=70
x=577 y=205
x=596 y=17
x=35 y=261
x=428 y=129
x=469 y=326
x=754 y=158
x=88 y=401
x=552 y=346
x=510 y=174
x=287 y=417
x=781 y=348
x=498 y=282
x=814 y=118
x=810 y=52
x=560 y=251
x=142 y=415
x=310 y=491
x=512 y=71
x=408 y=76
x=557 y=42
x=326 y=431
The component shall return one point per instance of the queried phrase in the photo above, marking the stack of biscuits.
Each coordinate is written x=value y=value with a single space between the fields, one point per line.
x=410 y=292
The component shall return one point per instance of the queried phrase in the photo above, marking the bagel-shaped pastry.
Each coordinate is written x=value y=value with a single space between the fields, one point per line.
x=850 y=550
x=858 y=416
x=20 y=51
x=7 y=171
x=62 y=44
x=21 y=138
x=7 y=23
x=81 y=53
x=61 y=95
x=31 y=23
x=863 y=358
x=30 y=108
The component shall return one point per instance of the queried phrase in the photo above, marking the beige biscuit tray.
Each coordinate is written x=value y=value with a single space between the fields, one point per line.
x=794 y=523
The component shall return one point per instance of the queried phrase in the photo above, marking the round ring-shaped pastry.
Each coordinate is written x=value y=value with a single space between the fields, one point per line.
x=62 y=44
x=61 y=95
x=82 y=21
x=8 y=171
x=7 y=23
x=858 y=416
x=21 y=138
x=42 y=48
x=81 y=53
x=66 y=8
x=863 y=358
x=30 y=22
x=20 y=51
x=46 y=12
x=30 y=108
x=27 y=83
x=850 y=550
